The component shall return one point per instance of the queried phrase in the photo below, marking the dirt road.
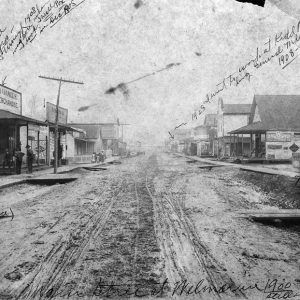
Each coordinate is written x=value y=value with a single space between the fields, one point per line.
x=154 y=226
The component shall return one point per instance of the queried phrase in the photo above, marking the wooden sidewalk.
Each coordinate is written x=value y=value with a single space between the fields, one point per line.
x=260 y=169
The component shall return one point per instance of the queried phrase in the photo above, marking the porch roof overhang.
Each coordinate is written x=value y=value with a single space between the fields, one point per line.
x=19 y=119
x=257 y=127
x=85 y=140
x=62 y=127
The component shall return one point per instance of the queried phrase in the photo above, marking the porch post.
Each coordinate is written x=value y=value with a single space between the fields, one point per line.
x=265 y=145
x=48 y=154
x=233 y=145
x=38 y=148
x=260 y=145
x=26 y=133
x=250 y=144
x=242 y=145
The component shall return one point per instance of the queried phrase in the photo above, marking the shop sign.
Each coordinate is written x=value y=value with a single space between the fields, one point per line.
x=51 y=114
x=10 y=100
x=274 y=147
x=297 y=136
x=278 y=136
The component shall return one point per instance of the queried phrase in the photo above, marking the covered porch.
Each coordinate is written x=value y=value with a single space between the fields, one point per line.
x=10 y=138
x=81 y=146
x=256 y=133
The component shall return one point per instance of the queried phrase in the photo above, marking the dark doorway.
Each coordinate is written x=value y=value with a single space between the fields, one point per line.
x=193 y=149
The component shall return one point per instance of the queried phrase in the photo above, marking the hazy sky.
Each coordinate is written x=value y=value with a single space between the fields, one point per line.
x=104 y=43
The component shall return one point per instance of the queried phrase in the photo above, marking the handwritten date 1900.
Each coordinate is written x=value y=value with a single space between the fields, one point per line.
x=4 y=214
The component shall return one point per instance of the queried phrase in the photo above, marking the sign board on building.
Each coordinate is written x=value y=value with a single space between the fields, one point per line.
x=274 y=147
x=278 y=136
x=297 y=136
x=51 y=114
x=10 y=100
x=109 y=132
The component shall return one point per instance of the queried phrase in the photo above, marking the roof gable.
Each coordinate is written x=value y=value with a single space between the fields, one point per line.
x=278 y=111
x=256 y=116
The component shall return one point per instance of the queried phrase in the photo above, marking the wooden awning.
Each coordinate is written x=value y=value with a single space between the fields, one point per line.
x=19 y=119
x=257 y=127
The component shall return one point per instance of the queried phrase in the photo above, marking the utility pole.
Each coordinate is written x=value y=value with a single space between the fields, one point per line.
x=60 y=80
x=121 y=124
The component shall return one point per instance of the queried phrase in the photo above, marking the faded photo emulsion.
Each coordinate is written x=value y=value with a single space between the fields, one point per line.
x=149 y=149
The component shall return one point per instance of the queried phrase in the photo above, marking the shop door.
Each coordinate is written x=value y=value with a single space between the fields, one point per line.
x=7 y=141
x=193 y=149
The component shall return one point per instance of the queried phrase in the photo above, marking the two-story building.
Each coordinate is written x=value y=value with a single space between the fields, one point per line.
x=182 y=140
x=211 y=123
x=229 y=118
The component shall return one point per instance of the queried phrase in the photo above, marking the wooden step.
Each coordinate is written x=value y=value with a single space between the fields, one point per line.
x=209 y=166
x=51 y=179
x=272 y=217
x=269 y=215
x=270 y=211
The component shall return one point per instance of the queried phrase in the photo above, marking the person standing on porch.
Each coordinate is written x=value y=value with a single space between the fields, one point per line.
x=7 y=159
x=30 y=158
x=19 y=158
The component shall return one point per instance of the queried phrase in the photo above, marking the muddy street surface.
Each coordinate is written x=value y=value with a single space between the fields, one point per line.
x=154 y=226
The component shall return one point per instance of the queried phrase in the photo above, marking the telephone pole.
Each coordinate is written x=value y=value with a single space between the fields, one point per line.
x=60 y=80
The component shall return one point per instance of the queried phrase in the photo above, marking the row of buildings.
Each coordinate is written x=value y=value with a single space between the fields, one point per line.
x=266 y=129
x=79 y=140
